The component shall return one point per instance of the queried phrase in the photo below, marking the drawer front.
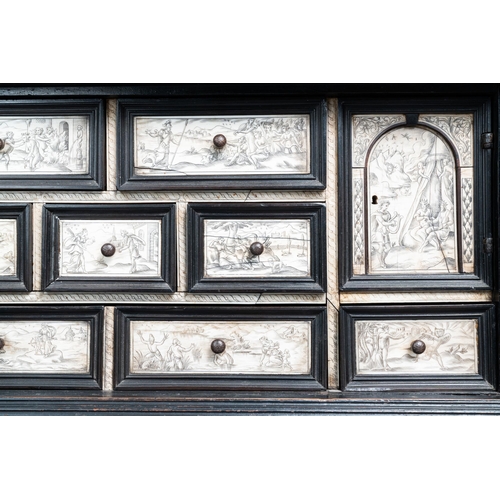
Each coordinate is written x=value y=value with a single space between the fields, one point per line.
x=51 y=347
x=421 y=347
x=257 y=247
x=110 y=247
x=201 y=144
x=218 y=347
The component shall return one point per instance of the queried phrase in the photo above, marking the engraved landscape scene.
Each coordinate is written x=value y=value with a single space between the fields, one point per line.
x=8 y=247
x=412 y=204
x=251 y=347
x=136 y=248
x=41 y=347
x=386 y=346
x=184 y=146
x=44 y=145
x=285 y=244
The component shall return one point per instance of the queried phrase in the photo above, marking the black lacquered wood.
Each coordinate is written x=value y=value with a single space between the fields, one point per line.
x=220 y=141
x=108 y=250
x=218 y=346
x=418 y=346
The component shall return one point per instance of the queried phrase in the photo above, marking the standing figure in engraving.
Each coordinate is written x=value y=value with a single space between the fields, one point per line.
x=132 y=242
x=161 y=155
x=47 y=333
x=153 y=359
x=8 y=147
x=383 y=225
x=76 y=245
x=175 y=355
x=434 y=341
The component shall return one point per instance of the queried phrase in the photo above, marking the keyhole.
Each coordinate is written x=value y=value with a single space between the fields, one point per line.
x=374 y=200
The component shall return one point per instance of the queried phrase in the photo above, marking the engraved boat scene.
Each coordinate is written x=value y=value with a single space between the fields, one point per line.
x=45 y=346
x=249 y=347
x=386 y=346
x=412 y=223
x=44 y=145
x=276 y=144
x=110 y=247
x=257 y=248
x=8 y=247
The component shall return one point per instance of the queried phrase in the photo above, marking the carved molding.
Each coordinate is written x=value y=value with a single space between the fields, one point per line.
x=458 y=128
x=364 y=129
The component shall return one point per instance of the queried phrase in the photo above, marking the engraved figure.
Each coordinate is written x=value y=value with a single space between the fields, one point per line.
x=132 y=242
x=160 y=156
x=47 y=334
x=175 y=355
x=154 y=359
x=8 y=147
x=384 y=224
x=75 y=246
x=223 y=360
x=433 y=341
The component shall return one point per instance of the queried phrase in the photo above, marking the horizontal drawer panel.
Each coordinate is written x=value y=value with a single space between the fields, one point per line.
x=220 y=347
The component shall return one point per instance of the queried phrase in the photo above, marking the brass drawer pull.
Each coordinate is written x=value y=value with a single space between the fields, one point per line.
x=256 y=248
x=218 y=346
x=108 y=250
x=418 y=347
x=219 y=141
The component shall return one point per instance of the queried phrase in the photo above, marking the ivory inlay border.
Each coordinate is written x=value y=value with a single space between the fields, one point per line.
x=414 y=297
x=109 y=340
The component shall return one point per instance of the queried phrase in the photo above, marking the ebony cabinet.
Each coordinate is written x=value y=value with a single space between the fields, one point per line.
x=249 y=248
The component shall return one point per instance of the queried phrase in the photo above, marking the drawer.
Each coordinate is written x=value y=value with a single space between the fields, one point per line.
x=259 y=247
x=420 y=347
x=51 y=347
x=220 y=347
x=54 y=145
x=210 y=144
x=15 y=247
x=113 y=247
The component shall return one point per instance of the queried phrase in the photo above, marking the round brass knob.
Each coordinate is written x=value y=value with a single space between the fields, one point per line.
x=220 y=141
x=256 y=248
x=2 y=143
x=108 y=250
x=218 y=346
x=2 y=343
x=418 y=347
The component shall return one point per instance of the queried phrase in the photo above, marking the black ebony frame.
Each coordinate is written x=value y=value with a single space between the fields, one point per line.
x=22 y=281
x=54 y=213
x=484 y=381
x=95 y=111
x=128 y=109
x=28 y=380
x=480 y=108
x=316 y=380
x=199 y=212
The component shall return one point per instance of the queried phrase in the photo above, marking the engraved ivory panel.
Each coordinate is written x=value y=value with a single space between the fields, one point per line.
x=251 y=347
x=137 y=245
x=8 y=247
x=412 y=204
x=45 y=346
x=385 y=346
x=270 y=144
x=286 y=248
x=55 y=145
